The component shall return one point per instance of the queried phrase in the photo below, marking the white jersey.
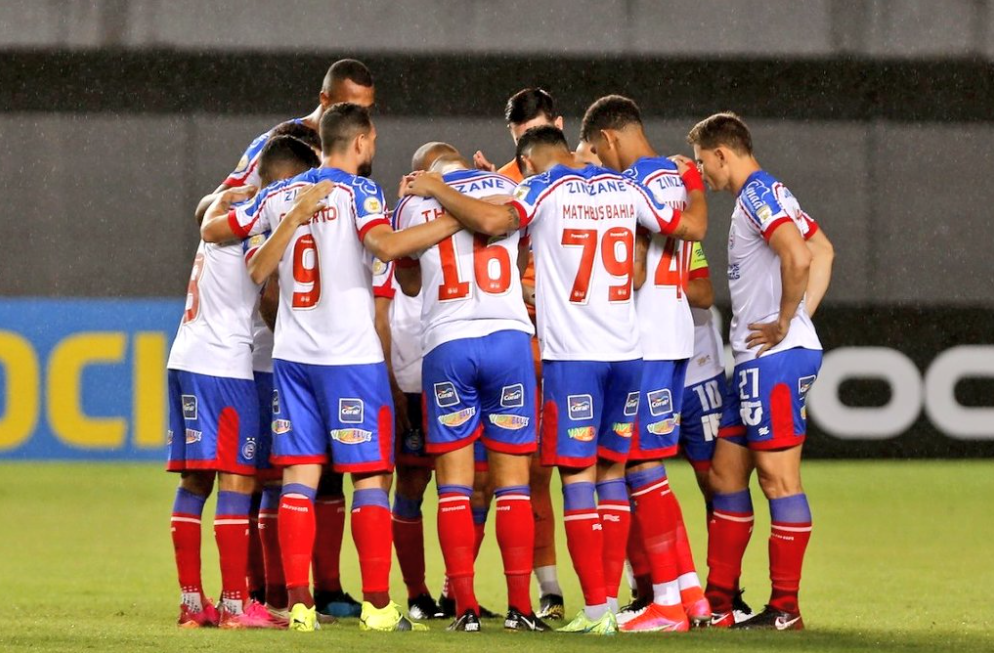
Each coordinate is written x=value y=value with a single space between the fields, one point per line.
x=215 y=335
x=247 y=171
x=582 y=224
x=762 y=206
x=470 y=282
x=326 y=314
x=405 y=327
x=665 y=322
x=262 y=344
x=708 y=360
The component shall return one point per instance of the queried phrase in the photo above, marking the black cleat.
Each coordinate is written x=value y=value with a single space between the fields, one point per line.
x=517 y=621
x=551 y=607
x=488 y=614
x=447 y=605
x=740 y=609
x=337 y=604
x=772 y=619
x=424 y=607
x=469 y=622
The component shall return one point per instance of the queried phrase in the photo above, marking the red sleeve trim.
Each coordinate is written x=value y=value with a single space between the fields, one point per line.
x=370 y=225
x=768 y=232
x=386 y=292
x=407 y=263
x=236 y=227
x=523 y=218
x=667 y=228
x=249 y=254
x=812 y=229
x=700 y=273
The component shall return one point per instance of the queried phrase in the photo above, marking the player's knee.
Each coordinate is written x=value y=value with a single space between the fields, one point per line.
x=725 y=480
x=199 y=483
x=331 y=484
x=779 y=483
x=412 y=481
x=236 y=483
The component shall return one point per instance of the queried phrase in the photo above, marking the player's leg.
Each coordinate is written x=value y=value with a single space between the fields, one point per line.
x=329 y=517
x=776 y=428
x=413 y=476
x=483 y=492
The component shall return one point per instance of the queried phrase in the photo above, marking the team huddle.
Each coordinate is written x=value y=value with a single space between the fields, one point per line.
x=496 y=325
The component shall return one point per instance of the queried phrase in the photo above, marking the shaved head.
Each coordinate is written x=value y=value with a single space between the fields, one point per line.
x=449 y=161
x=425 y=156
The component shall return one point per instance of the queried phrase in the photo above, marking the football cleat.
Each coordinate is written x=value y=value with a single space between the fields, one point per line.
x=303 y=619
x=488 y=614
x=606 y=625
x=336 y=604
x=279 y=616
x=423 y=607
x=722 y=619
x=386 y=619
x=206 y=618
x=447 y=605
x=551 y=607
x=772 y=619
x=253 y=616
x=469 y=622
x=518 y=621
x=658 y=619
x=696 y=605
x=632 y=610
x=740 y=609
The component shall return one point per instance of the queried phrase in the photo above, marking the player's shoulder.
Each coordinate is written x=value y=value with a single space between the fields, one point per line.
x=406 y=207
x=649 y=167
x=761 y=195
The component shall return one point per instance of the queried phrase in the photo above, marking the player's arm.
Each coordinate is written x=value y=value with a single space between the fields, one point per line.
x=641 y=259
x=524 y=254
x=795 y=266
x=267 y=259
x=206 y=201
x=700 y=293
x=408 y=277
x=216 y=228
x=269 y=303
x=477 y=215
x=822 y=256
x=389 y=245
x=693 y=224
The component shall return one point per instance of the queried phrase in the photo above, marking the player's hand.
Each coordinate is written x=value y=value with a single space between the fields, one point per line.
x=422 y=184
x=309 y=201
x=481 y=162
x=682 y=163
x=766 y=336
x=239 y=194
x=405 y=180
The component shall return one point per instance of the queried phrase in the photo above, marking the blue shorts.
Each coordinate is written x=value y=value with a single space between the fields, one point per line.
x=481 y=388
x=765 y=403
x=213 y=424
x=264 y=390
x=342 y=414
x=588 y=411
x=657 y=430
x=700 y=418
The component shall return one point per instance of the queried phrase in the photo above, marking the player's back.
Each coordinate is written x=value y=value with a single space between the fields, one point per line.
x=754 y=282
x=215 y=334
x=582 y=224
x=470 y=282
x=667 y=327
x=326 y=298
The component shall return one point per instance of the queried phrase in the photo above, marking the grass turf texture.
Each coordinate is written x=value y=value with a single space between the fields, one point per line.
x=900 y=561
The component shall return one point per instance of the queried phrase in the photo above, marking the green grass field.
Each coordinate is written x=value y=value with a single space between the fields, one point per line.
x=901 y=560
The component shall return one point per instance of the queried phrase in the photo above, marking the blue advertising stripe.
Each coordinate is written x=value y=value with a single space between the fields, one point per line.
x=84 y=378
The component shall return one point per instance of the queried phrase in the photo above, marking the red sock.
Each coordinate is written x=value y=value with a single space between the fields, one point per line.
x=639 y=560
x=790 y=532
x=330 y=530
x=516 y=539
x=585 y=540
x=269 y=535
x=231 y=531
x=373 y=539
x=456 y=536
x=684 y=555
x=185 y=525
x=296 y=529
x=657 y=523
x=409 y=543
x=728 y=535
x=615 y=515
x=256 y=563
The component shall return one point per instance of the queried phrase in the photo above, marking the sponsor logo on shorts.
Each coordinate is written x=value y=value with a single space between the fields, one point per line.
x=580 y=406
x=457 y=418
x=632 y=404
x=350 y=411
x=281 y=426
x=804 y=384
x=512 y=396
x=189 y=407
x=193 y=436
x=623 y=429
x=445 y=394
x=351 y=436
x=169 y=436
x=660 y=402
x=509 y=422
x=662 y=427
x=581 y=433
x=276 y=402
x=248 y=449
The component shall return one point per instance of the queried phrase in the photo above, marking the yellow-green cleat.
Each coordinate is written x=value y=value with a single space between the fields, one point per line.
x=386 y=619
x=606 y=625
x=303 y=619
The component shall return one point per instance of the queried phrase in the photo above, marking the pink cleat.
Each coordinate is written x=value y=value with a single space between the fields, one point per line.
x=255 y=615
x=206 y=618
x=696 y=605
x=658 y=618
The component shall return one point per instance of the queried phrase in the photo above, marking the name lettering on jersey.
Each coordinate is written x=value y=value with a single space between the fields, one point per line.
x=457 y=418
x=446 y=395
x=599 y=212
x=632 y=404
x=432 y=214
x=512 y=396
x=190 y=407
x=596 y=186
x=581 y=433
x=580 y=407
x=350 y=411
x=281 y=426
x=351 y=436
x=248 y=449
x=660 y=402
x=326 y=214
x=509 y=422
x=475 y=185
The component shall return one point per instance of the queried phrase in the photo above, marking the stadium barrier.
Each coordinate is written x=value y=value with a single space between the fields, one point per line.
x=85 y=379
